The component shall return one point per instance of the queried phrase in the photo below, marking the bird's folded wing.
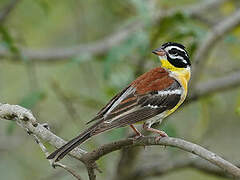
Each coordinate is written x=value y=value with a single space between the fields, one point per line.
x=140 y=108
x=147 y=96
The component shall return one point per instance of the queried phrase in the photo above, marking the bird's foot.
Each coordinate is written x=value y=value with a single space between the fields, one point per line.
x=138 y=134
x=162 y=134
x=137 y=137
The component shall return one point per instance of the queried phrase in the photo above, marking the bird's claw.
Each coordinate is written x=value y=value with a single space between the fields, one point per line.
x=136 y=137
x=161 y=135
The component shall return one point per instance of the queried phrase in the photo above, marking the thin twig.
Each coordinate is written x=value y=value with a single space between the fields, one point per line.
x=71 y=171
x=46 y=153
x=60 y=174
x=91 y=173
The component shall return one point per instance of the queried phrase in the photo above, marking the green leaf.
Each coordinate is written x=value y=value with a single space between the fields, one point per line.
x=30 y=100
x=8 y=41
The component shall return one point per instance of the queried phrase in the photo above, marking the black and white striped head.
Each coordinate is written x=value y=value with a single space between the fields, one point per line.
x=175 y=53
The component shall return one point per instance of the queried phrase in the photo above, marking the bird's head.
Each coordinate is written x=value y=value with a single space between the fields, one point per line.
x=173 y=55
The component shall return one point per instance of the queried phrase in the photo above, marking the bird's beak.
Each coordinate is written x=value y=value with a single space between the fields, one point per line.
x=159 y=52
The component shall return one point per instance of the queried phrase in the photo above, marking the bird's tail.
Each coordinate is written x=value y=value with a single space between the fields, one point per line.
x=95 y=129
x=65 y=149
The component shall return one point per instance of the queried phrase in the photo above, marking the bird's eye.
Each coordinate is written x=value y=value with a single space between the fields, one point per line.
x=173 y=52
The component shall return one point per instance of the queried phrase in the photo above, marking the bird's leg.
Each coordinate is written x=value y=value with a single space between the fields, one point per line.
x=161 y=133
x=138 y=134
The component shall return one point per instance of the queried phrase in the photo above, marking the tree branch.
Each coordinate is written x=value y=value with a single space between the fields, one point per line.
x=102 y=46
x=211 y=39
x=96 y=48
x=25 y=119
x=91 y=173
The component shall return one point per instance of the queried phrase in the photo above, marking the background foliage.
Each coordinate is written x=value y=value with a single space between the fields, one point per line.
x=67 y=93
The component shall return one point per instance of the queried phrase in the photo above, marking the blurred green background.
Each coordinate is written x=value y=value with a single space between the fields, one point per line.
x=68 y=91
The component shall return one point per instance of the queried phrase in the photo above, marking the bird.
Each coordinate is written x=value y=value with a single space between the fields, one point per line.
x=148 y=100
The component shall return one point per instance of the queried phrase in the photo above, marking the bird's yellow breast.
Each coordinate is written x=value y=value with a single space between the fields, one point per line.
x=182 y=75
